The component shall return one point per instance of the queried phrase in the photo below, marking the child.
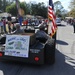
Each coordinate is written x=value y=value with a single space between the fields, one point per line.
x=4 y=24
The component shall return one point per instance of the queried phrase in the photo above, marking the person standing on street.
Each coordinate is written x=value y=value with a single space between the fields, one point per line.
x=1 y=26
x=20 y=20
x=18 y=30
x=4 y=25
x=9 y=23
x=74 y=25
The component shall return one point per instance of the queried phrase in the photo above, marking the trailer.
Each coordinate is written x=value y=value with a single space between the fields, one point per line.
x=27 y=48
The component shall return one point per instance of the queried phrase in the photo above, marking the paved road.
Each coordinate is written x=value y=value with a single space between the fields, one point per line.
x=65 y=58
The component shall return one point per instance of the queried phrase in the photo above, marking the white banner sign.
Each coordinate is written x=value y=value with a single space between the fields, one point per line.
x=17 y=45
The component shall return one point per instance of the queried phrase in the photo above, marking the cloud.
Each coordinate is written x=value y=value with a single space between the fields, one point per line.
x=65 y=4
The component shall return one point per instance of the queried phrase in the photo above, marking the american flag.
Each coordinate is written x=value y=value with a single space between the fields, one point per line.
x=52 y=17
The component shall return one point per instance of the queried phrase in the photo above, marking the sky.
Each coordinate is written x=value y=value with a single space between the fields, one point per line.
x=65 y=3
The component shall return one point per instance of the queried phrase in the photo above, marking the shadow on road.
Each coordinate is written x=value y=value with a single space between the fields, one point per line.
x=62 y=25
x=61 y=42
x=59 y=68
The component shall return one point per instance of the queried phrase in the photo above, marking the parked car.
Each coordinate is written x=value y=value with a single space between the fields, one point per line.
x=13 y=19
x=58 y=21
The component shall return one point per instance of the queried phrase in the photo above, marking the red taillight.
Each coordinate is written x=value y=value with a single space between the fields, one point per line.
x=0 y=54
x=36 y=58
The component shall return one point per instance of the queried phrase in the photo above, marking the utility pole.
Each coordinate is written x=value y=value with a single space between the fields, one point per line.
x=18 y=6
x=19 y=12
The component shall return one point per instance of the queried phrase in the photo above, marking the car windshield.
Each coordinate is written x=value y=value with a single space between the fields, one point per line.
x=58 y=20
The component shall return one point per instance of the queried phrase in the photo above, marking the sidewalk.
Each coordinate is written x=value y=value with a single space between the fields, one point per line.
x=69 y=37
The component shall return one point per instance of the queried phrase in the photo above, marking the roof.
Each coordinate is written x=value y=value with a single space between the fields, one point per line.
x=69 y=17
x=5 y=14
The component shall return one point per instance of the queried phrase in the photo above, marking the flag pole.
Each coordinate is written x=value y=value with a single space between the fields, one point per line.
x=20 y=18
x=48 y=22
x=52 y=19
x=18 y=6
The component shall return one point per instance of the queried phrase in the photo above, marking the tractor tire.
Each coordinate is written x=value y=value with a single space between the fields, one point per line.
x=50 y=51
